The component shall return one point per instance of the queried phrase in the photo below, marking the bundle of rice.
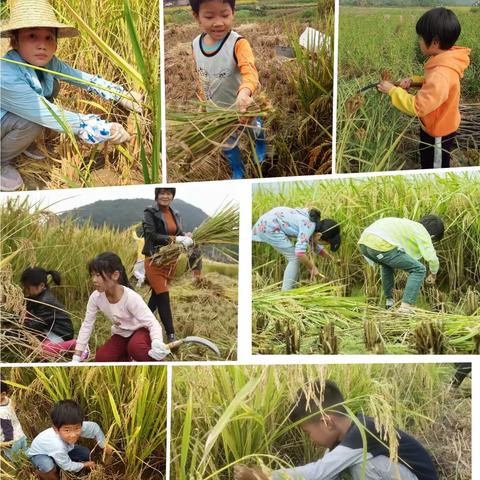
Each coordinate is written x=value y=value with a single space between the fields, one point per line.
x=219 y=229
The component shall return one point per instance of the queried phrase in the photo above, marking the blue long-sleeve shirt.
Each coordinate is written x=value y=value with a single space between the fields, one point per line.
x=49 y=443
x=23 y=93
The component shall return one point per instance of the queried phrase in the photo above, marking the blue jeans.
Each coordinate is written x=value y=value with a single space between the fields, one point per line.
x=46 y=464
x=396 y=259
x=290 y=275
x=233 y=154
x=17 y=448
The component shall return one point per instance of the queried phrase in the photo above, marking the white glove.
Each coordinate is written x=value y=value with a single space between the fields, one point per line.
x=76 y=359
x=132 y=105
x=159 y=350
x=118 y=134
x=185 y=241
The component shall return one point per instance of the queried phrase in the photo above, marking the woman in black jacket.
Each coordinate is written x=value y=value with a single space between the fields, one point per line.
x=161 y=226
x=46 y=315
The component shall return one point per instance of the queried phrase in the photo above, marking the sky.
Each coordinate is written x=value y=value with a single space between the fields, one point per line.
x=208 y=196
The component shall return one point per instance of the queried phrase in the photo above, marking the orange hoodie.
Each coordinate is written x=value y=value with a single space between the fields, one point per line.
x=437 y=102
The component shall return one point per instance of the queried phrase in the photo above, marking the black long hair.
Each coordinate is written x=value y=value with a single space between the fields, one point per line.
x=34 y=276
x=106 y=264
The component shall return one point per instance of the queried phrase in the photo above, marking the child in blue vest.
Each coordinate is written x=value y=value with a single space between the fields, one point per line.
x=226 y=67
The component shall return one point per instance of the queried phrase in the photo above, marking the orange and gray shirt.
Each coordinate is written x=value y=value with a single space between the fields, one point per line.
x=437 y=102
x=226 y=70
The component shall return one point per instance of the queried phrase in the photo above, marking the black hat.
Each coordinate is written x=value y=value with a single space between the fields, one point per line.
x=330 y=231
x=173 y=191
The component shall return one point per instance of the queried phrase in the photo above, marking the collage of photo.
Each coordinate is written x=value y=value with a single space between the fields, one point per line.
x=240 y=239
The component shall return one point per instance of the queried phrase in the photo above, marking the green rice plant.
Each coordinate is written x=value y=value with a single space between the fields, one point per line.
x=304 y=312
x=219 y=229
x=196 y=134
x=129 y=403
x=224 y=415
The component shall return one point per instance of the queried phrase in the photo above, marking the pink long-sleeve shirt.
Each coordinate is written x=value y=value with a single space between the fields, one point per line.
x=128 y=315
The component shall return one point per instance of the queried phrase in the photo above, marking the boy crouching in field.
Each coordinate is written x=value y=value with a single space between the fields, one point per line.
x=329 y=426
x=56 y=448
x=226 y=68
x=27 y=94
x=437 y=102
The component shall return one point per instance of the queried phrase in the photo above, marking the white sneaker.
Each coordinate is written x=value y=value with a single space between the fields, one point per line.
x=405 y=310
x=34 y=153
x=10 y=179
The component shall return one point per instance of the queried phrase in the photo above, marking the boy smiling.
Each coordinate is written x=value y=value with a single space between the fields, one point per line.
x=226 y=69
x=56 y=448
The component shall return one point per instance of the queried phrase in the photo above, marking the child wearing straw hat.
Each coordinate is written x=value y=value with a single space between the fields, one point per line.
x=27 y=94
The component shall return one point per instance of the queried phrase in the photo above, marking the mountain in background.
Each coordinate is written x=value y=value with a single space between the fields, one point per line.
x=124 y=213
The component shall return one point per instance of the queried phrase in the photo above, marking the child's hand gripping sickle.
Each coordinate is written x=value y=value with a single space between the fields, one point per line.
x=241 y=472
x=431 y=279
x=385 y=86
x=159 y=350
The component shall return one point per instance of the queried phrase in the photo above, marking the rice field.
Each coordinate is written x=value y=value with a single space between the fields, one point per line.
x=32 y=236
x=343 y=310
x=238 y=414
x=295 y=99
x=120 y=42
x=372 y=135
x=128 y=403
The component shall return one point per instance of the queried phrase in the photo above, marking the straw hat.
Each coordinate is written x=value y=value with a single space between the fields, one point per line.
x=35 y=13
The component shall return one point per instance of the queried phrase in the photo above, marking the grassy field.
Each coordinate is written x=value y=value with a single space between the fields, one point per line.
x=119 y=41
x=295 y=95
x=35 y=237
x=372 y=135
x=223 y=415
x=343 y=312
x=128 y=403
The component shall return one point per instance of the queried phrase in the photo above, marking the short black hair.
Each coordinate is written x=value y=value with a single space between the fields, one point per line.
x=158 y=191
x=434 y=226
x=439 y=24
x=67 y=412
x=195 y=4
x=316 y=397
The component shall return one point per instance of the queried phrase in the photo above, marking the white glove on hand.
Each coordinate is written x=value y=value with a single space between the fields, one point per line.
x=185 y=241
x=159 y=350
x=118 y=134
x=132 y=105
x=76 y=359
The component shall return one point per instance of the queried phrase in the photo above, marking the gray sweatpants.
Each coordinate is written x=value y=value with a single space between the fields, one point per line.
x=17 y=134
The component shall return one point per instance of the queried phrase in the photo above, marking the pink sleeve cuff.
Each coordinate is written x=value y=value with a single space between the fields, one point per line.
x=300 y=254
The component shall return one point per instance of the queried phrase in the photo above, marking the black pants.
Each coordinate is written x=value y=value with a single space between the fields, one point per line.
x=435 y=151
x=161 y=302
